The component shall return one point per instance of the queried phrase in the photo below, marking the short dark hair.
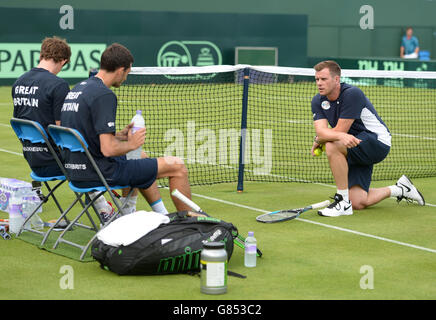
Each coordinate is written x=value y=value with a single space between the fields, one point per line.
x=116 y=56
x=55 y=48
x=333 y=66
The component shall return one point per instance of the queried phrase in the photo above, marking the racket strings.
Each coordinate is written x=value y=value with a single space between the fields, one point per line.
x=278 y=216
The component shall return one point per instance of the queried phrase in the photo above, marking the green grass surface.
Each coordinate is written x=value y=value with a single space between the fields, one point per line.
x=310 y=258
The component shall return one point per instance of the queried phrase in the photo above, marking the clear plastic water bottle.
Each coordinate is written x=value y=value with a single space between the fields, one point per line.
x=16 y=218
x=29 y=204
x=138 y=123
x=250 y=250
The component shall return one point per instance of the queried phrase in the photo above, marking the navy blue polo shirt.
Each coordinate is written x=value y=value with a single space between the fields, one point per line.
x=90 y=107
x=38 y=95
x=351 y=104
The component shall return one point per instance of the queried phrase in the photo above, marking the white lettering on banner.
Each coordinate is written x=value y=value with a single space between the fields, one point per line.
x=17 y=58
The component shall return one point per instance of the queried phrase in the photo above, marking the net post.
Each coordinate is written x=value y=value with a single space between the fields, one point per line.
x=246 y=81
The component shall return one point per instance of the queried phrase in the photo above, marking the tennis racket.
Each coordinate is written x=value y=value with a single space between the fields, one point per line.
x=284 y=215
x=238 y=240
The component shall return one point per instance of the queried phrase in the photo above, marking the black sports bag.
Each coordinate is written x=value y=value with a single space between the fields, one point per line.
x=171 y=248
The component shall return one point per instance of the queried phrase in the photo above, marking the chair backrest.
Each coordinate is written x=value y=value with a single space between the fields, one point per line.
x=27 y=130
x=71 y=139
x=67 y=138
x=424 y=55
x=32 y=131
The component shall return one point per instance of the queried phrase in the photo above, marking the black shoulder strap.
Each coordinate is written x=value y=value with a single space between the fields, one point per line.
x=230 y=273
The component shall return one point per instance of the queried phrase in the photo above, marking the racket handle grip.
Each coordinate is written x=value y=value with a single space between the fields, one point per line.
x=177 y=194
x=320 y=204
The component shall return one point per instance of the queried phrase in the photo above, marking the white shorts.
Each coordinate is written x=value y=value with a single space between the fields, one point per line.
x=413 y=55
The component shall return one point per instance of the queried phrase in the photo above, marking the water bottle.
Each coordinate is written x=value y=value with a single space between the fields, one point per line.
x=138 y=123
x=4 y=196
x=29 y=204
x=16 y=218
x=250 y=250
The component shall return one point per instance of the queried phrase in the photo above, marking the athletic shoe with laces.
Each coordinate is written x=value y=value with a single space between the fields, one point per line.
x=409 y=191
x=339 y=207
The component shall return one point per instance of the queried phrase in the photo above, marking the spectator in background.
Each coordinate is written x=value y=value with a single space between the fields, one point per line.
x=409 y=45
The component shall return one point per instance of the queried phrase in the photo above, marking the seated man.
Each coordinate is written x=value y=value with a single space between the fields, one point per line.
x=91 y=108
x=409 y=45
x=38 y=96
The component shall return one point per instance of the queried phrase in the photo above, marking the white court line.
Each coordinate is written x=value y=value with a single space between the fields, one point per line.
x=229 y=167
x=412 y=136
x=322 y=225
x=299 y=219
x=12 y=152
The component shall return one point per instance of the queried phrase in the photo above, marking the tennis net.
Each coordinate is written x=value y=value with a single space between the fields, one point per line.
x=236 y=123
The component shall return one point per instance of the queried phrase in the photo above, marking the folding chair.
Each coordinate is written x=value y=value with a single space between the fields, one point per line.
x=27 y=130
x=71 y=139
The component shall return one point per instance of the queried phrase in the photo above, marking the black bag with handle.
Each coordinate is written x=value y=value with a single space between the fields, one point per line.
x=171 y=248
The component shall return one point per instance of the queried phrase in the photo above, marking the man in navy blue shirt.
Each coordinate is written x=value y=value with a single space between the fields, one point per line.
x=91 y=108
x=38 y=95
x=356 y=140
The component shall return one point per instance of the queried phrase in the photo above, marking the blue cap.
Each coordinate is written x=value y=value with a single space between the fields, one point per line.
x=250 y=233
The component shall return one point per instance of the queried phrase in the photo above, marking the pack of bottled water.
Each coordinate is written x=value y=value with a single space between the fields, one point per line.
x=19 y=199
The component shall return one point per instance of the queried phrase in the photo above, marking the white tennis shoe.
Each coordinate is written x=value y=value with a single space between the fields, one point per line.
x=409 y=191
x=339 y=207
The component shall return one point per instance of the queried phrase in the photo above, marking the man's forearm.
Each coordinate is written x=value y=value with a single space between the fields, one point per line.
x=111 y=146
x=327 y=134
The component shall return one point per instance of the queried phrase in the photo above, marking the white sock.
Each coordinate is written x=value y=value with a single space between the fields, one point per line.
x=396 y=191
x=130 y=206
x=344 y=194
x=158 y=206
x=101 y=203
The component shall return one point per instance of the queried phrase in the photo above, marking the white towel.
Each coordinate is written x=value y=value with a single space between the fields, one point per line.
x=129 y=228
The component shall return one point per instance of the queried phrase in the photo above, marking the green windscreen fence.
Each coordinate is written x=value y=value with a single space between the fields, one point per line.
x=257 y=56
